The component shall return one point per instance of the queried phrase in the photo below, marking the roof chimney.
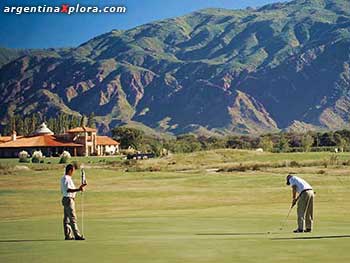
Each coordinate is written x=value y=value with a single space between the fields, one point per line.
x=13 y=135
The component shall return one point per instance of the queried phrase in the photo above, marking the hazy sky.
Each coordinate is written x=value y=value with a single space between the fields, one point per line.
x=62 y=30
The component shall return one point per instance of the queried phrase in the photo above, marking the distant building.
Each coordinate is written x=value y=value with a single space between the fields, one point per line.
x=80 y=141
x=106 y=145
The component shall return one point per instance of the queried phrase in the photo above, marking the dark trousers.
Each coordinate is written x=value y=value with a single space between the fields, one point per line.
x=70 y=226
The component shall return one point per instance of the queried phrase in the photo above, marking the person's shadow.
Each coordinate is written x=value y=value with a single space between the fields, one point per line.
x=28 y=240
x=232 y=234
x=276 y=238
x=311 y=238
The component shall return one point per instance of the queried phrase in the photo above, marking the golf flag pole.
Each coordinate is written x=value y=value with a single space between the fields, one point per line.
x=83 y=182
x=83 y=177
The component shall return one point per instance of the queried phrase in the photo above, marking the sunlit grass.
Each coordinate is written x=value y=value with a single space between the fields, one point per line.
x=176 y=216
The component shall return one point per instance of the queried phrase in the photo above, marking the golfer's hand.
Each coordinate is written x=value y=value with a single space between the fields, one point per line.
x=81 y=188
x=294 y=202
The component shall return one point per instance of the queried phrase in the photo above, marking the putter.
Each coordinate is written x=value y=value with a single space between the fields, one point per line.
x=290 y=210
x=286 y=220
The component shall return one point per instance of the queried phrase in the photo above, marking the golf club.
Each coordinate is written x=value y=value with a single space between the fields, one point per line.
x=286 y=220
x=290 y=210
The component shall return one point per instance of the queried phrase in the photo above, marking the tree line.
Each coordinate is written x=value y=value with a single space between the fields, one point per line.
x=140 y=141
x=274 y=142
x=57 y=124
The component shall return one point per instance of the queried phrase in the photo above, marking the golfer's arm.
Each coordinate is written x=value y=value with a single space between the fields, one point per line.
x=73 y=190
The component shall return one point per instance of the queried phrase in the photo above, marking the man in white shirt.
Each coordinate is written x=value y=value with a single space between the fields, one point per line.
x=68 y=191
x=305 y=201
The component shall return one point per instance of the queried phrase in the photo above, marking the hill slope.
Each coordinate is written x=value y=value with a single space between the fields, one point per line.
x=246 y=71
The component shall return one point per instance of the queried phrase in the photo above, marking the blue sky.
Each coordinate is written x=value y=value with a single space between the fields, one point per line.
x=61 y=30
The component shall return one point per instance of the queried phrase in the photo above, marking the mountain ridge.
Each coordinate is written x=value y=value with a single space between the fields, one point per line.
x=236 y=71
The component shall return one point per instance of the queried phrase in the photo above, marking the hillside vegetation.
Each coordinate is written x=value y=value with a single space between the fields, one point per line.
x=284 y=65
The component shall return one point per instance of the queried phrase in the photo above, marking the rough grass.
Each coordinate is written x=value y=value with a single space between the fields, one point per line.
x=226 y=159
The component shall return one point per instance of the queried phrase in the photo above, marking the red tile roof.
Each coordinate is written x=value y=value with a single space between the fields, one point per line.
x=82 y=129
x=105 y=140
x=38 y=141
x=7 y=138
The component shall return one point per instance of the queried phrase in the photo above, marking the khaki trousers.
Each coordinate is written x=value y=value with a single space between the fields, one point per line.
x=306 y=210
x=70 y=226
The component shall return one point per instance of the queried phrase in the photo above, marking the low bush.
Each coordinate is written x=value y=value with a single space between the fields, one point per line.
x=65 y=156
x=23 y=157
x=37 y=157
x=294 y=164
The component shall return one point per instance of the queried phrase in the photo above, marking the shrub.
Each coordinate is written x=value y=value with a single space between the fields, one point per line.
x=63 y=159
x=65 y=156
x=256 y=167
x=37 y=157
x=346 y=163
x=23 y=157
x=266 y=144
x=236 y=168
x=155 y=168
x=134 y=169
x=294 y=164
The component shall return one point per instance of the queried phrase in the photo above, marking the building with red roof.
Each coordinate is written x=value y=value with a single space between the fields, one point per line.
x=80 y=141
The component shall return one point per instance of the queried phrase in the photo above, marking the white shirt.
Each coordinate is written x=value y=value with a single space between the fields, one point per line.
x=67 y=183
x=300 y=184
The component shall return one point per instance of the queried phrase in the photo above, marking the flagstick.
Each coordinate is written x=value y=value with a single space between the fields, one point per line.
x=83 y=182
x=82 y=213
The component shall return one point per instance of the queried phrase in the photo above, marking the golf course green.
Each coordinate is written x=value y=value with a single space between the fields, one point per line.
x=177 y=214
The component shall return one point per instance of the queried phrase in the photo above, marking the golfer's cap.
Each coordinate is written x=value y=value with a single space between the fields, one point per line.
x=287 y=179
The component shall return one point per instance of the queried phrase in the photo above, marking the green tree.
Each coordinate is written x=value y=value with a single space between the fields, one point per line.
x=34 y=123
x=82 y=121
x=341 y=142
x=151 y=145
x=283 y=144
x=128 y=137
x=188 y=143
x=51 y=124
x=73 y=122
x=266 y=143
x=10 y=125
x=306 y=142
x=235 y=142
x=212 y=142
x=91 y=120
x=19 y=124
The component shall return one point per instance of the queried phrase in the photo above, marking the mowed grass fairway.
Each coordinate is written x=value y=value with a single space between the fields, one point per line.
x=178 y=214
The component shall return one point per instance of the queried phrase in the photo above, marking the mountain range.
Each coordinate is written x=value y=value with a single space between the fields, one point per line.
x=281 y=66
